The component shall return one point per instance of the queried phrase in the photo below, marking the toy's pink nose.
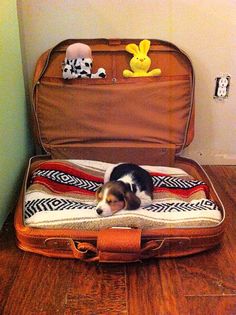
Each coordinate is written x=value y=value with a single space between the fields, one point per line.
x=141 y=59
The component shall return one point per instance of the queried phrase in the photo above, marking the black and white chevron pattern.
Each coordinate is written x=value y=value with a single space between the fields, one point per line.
x=175 y=182
x=90 y=185
x=67 y=179
x=53 y=204
x=58 y=204
x=204 y=204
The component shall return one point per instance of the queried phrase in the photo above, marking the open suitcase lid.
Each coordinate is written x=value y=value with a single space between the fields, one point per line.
x=114 y=111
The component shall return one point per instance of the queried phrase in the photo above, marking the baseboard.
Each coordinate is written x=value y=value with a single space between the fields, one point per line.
x=205 y=158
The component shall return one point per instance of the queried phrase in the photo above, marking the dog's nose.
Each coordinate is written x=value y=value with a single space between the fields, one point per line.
x=99 y=211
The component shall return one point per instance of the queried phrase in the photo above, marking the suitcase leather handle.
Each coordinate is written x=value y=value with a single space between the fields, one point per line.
x=118 y=245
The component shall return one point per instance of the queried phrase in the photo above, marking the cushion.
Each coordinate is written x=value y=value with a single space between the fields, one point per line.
x=61 y=194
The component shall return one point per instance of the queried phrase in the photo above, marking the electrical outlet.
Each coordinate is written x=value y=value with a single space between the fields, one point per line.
x=222 y=87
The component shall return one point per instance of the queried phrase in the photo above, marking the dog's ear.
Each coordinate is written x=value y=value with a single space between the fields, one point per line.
x=98 y=192
x=132 y=202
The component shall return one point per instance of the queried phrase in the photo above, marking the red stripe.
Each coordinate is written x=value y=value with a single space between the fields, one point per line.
x=182 y=192
x=71 y=170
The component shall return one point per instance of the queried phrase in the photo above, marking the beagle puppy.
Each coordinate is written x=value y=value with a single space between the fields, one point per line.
x=128 y=187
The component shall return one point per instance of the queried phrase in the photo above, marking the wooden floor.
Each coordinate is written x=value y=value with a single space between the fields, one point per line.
x=203 y=284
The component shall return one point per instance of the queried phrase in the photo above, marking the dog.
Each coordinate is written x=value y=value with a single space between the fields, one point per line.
x=128 y=187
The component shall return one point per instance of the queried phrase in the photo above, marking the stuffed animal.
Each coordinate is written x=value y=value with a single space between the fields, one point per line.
x=78 y=63
x=140 y=63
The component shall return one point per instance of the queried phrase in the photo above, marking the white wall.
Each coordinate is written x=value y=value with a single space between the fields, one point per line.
x=205 y=30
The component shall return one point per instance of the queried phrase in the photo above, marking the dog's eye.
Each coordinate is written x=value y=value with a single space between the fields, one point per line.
x=112 y=202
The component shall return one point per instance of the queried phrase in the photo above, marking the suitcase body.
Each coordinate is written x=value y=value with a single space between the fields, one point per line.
x=146 y=120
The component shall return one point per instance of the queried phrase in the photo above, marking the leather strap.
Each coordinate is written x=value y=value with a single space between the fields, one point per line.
x=84 y=251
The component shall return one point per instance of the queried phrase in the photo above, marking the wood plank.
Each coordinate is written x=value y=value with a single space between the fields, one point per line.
x=154 y=287
x=208 y=273
x=10 y=261
x=174 y=301
x=97 y=289
x=214 y=271
x=212 y=305
x=40 y=285
x=144 y=288
x=66 y=286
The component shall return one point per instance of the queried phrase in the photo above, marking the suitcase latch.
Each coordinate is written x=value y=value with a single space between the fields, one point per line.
x=163 y=247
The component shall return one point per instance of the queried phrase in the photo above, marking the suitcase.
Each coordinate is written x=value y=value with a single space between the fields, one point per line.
x=144 y=120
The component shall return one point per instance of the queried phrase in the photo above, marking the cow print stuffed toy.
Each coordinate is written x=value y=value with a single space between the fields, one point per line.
x=78 y=63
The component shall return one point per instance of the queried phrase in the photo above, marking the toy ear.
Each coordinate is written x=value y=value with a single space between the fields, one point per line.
x=132 y=202
x=132 y=48
x=144 y=46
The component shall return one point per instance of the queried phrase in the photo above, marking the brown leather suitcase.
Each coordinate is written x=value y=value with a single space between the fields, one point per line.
x=145 y=120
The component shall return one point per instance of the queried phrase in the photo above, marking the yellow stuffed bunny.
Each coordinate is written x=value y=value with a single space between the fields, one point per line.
x=140 y=63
